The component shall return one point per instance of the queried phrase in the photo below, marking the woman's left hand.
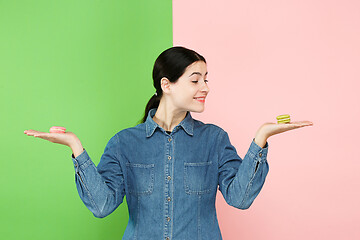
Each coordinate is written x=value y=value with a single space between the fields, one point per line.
x=270 y=129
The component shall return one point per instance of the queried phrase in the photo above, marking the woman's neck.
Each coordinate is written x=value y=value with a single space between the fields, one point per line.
x=168 y=117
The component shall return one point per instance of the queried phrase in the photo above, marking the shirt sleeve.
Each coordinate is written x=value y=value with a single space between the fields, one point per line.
x=101 y=188
x=240 y=181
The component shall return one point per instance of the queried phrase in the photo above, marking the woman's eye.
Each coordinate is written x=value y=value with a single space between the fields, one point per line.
x=197 y=81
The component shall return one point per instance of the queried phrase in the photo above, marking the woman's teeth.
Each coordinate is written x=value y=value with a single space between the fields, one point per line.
x=201 y=99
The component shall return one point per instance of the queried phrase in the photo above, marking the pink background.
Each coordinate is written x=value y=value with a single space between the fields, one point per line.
x=267 y=58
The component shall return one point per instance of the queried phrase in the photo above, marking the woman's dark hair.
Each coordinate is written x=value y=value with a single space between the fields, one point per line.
x=171 y=64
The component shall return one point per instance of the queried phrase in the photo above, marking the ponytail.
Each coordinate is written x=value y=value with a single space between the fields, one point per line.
x=152 y=103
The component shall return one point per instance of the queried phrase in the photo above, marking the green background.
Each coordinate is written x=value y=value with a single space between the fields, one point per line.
x=84 y=65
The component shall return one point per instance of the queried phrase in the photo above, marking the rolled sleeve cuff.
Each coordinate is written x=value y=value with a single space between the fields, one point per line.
x=259 y=153
x=82 y=160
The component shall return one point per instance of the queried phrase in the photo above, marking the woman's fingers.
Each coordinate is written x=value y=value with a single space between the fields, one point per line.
x=45 y=136
x=293 y=125
x=65 y=138
x=39 y=134
x=32 y=132
x=301 y=123
x=269 y=129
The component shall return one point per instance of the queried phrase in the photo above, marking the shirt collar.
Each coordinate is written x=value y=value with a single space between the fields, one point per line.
x=187 y=123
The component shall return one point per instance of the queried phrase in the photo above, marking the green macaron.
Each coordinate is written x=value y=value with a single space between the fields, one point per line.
x=285 y=118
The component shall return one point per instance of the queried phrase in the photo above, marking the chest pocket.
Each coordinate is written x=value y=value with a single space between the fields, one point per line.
x=198 y=177
x=140 y=178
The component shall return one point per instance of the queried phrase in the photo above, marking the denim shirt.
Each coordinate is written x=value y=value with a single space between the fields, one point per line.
x=170 y=179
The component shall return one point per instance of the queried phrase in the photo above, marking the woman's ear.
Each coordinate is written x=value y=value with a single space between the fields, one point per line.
x=165 y=84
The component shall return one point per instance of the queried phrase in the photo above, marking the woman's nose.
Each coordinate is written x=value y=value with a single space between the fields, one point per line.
x=205 y=88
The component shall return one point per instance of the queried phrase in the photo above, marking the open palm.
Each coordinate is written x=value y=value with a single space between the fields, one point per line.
x=62 y=138
x=270 y=129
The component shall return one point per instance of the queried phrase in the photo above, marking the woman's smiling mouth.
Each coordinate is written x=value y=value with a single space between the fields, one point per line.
x=200 y=99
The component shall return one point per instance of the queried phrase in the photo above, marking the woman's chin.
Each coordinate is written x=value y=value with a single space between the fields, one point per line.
x=197 y=109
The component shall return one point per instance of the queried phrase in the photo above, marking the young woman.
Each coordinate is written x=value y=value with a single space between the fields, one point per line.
x=170 y=165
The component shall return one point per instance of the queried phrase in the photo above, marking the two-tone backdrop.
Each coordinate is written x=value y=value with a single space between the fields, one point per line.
x=87 y=65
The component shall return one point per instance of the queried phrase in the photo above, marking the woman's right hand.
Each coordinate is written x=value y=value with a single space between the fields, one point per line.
x=67 y=138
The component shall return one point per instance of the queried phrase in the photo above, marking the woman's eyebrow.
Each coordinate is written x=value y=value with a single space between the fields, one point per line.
x=198 y=73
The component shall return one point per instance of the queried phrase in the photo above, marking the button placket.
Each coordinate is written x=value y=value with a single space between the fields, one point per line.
x=169 y=186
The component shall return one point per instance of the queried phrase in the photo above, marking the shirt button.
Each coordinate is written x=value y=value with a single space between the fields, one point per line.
x=168 y=219
x=169 y=139
x=169 y=199
x=260 y=154
x=169 y=157
x=167 y=238
x=169 y=178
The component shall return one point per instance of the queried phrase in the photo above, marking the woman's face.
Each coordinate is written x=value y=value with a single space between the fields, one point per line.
x=191 y=85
